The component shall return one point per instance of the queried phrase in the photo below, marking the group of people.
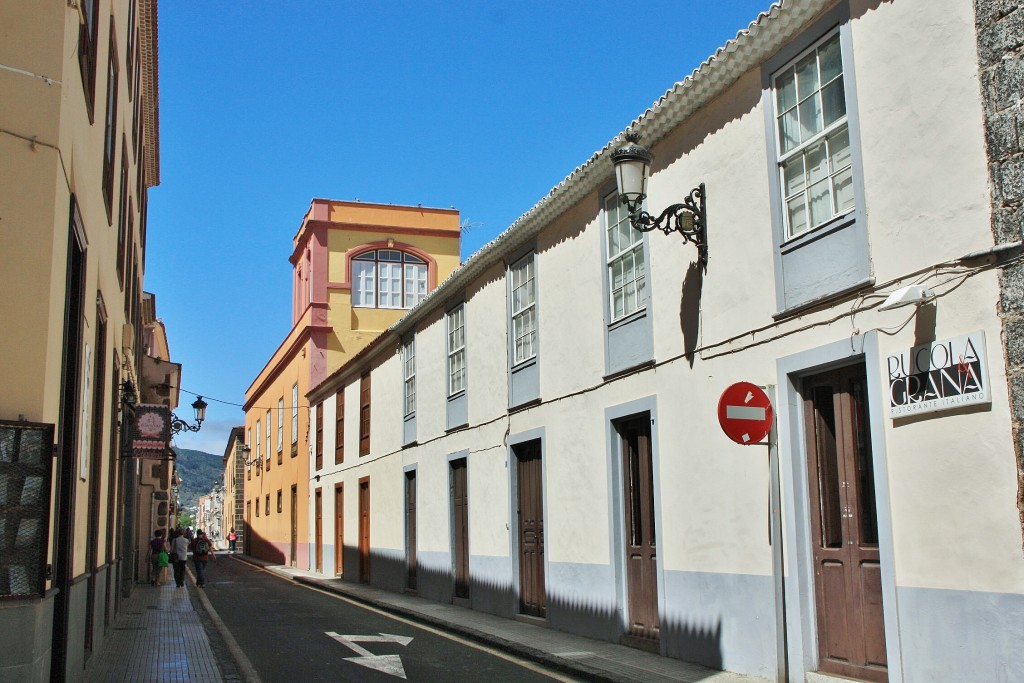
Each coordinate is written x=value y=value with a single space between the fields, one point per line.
x=166 y=553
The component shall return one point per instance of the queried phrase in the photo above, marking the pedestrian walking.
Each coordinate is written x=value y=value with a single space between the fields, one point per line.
x=156 y=546
x=202 y=550
x=179 y=549
x=232 y=540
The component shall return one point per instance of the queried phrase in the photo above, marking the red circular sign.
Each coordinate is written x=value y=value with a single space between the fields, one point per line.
x=745 y=413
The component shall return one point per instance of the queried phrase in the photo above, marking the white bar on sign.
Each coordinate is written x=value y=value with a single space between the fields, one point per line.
x=744 y=413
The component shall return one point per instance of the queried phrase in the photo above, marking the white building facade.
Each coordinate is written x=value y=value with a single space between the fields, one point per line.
x=539 y=438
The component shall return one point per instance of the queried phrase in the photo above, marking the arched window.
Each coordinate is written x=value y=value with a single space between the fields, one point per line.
x=388 y=278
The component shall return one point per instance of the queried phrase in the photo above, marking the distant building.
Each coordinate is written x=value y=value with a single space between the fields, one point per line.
x=540 y=438
x=234 y=485
x=79 y=148
x=357 y=267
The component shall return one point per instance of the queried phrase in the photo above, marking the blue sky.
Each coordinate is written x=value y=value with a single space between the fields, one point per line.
x=479 y=106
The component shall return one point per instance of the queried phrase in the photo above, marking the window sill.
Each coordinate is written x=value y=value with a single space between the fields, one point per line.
x=632 y=317
x=824 y=299
x=824 y=230
x=457 y=428
x=629 y=371
x=457 y=395
x=524 y=405
x=523 y=364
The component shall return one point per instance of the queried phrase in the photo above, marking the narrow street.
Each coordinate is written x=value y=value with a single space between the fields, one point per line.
x=283 y=628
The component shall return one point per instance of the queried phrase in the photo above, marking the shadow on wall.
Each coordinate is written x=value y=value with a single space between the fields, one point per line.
x=262 y=548
x=689 y=309
x=691 y=641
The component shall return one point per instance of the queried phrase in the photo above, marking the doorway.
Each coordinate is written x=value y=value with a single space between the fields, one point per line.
x=844 y=525
x=339 y=529
x=410 y=530
x=460 y=528
x=530 y=512
x=639 y=525
x=364 y=530
x=319 y=513
x=293 y=559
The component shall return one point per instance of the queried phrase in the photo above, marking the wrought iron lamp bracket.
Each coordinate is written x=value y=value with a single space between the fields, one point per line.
x=686 y=218
x=179 y=425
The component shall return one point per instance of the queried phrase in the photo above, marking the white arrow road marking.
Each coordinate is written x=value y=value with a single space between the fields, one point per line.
x=389 y=664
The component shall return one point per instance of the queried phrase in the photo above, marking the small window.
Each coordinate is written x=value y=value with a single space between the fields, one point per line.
x=280 y=501
x=339 y=426
x=259 y=441
x=524 y=307
x=364 y=414
x=124 y=215
x=268 y=439
x=258 y=507
x=627 y=281
x=388 y=278
x=280 y=428
x=456 y=325
x=815 y=165
x=110 y=125
x=295 y=417
x=87 y=48
x=268 y=502
x=409 y=375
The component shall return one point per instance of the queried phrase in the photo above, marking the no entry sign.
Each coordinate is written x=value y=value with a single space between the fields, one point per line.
x=745 y=413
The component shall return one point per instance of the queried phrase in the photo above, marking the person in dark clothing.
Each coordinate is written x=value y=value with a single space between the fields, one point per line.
x=202 y=550
x=179 y=551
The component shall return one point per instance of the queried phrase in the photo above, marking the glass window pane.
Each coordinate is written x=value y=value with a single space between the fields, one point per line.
x=830 y=58
x=810 y=118
x=807 y=76
x=820 y=201
x=793 y=175
x=613 y=240
x=617 y=274
x=834 y=101
x=389 y=255
x=839 y=149
x=797 y=214
x=817 y=164
x=785 y=90
x=789 y=130
x=629 y=294
x=617 y=304
x=843 y=182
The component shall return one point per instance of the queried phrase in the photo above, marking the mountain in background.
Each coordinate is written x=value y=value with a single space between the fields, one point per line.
x=199 y=472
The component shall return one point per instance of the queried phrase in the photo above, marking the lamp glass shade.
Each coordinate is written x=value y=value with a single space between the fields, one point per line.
x=631 y=177
x=200 y=407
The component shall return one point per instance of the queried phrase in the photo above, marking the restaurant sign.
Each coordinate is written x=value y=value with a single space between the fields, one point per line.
x=951 y=373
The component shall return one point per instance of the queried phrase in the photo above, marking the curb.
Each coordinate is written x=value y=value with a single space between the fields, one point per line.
x=560 y=664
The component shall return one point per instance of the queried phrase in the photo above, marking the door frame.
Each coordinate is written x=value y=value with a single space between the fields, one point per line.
x=617 y=511
x=452 y=458
x=800 y=608
x=511 y=442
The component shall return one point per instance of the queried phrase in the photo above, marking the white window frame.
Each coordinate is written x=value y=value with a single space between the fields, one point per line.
x=455 y=324
x=522 y=276
x=802 y=148
x=626 y=250
x=259 y=440
x=268 y=433
x=295 y=413
x=388 y=278
x=280 y=425
x=409 y=376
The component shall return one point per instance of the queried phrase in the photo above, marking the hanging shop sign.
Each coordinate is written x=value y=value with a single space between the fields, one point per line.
x=152 y=431
x=951 y=373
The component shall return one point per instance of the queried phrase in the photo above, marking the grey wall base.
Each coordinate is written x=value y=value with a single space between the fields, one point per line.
x=27 y=626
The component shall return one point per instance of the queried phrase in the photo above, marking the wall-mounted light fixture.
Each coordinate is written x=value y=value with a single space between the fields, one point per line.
x=249 y=461
x=632 y=169
x=179 y=425
x=128 y=396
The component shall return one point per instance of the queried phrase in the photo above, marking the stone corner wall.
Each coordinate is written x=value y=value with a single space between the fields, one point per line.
x=1000 y=31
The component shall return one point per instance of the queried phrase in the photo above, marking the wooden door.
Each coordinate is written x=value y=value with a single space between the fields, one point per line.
x=295 y=526
x=847 y=574
x=410 y=530
x=641 y=551
x=246 y=544
x=339 y=530
x=460 y=527
x=530 y=502
x=319 y=512
x=364 y=529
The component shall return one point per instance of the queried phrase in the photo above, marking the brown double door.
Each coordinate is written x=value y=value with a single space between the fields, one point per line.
x=364 y=530
x=339 y=530
x=641 y=550
x=844 y=526
x=410 y=530
x=318 y=509
x=530 y=501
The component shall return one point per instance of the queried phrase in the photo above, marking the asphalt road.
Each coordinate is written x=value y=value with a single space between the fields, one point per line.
x=285 y=629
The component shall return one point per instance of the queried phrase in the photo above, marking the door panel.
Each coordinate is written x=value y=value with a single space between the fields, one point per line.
x=319 y=510
x=641 y=552
x=339 y=530
x=410 y=530
x=532 y=590
x=848 y=587
x=364 y=530
x=460 y=528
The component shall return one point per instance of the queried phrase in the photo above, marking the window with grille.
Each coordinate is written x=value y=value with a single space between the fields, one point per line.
x=627 y=271
x=456 y=325
x=524 y=310
x=409 y=375
x=26 y=456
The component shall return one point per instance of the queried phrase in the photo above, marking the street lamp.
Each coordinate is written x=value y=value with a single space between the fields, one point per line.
x=632 y=169
x=178 y=425
x=246 y=453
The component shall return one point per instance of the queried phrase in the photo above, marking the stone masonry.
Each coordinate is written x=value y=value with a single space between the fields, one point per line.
x=1000 y=28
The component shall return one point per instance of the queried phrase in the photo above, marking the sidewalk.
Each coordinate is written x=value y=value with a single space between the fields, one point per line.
x=158 y=636
x=588 y=659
